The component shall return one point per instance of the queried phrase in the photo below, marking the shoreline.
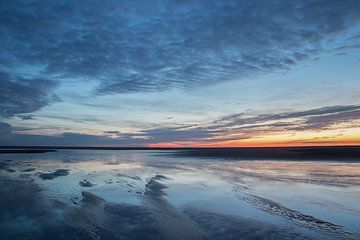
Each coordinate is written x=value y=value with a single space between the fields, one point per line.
x=240 y=153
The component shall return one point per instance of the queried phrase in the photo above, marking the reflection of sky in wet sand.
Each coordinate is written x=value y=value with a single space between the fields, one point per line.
x=283 y=199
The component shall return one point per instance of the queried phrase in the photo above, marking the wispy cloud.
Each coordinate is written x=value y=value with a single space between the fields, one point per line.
x=324 y=116
x=228 y=128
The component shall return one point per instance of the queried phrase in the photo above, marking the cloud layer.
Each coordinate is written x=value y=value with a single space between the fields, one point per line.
x=135 y=46
x=233 y=127
x=119 y=47
x=325 y=118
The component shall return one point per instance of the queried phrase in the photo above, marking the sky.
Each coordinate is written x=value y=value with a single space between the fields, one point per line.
x=179 y=73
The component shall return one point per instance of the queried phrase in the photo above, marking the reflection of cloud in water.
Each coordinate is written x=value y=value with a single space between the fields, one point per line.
x=172 y=222
x=149 y=196
x=332 y=174
x=127 y=176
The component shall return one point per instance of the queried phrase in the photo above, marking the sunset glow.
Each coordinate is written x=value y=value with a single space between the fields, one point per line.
x=179 y=119
x=180 y=74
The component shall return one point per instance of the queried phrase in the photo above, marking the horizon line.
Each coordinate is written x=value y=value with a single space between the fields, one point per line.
x=170 y=148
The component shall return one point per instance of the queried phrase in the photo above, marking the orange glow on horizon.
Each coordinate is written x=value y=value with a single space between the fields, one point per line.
x=226 y=144
x=342 y=137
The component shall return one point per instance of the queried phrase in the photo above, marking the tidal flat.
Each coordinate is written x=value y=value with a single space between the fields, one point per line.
x=156 y=194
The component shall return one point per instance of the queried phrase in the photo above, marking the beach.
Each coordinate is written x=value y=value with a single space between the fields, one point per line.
x=176 y=194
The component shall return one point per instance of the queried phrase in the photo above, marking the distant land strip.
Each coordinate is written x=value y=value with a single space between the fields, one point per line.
x=14 y=151
x=251 y=153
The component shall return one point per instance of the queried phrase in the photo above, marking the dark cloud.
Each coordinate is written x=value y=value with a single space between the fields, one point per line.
x=132 y=46
x=27 y=117
x=19 y=95
x=112 y=132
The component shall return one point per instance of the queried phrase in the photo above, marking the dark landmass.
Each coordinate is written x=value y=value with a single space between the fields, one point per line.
x=350 y=153
x=25 y=150
x=54 y=148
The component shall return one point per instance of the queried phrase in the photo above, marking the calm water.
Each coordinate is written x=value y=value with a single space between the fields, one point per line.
x=155 y=195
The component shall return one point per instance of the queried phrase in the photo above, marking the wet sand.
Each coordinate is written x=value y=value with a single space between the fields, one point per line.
x=149 y=195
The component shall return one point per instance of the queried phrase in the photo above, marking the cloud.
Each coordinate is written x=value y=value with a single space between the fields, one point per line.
x=234 y=127
x=326 y=120
x=5 y=130
x=348 y=47
x=109 y=138
x=165 y=134
x=65 y=139
x=341 y=54
x=137 y=46
x=313 y=119
x=19 y=95
x=27 y=117
x=240 y=119
x=172 y=134
x=354 y=37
